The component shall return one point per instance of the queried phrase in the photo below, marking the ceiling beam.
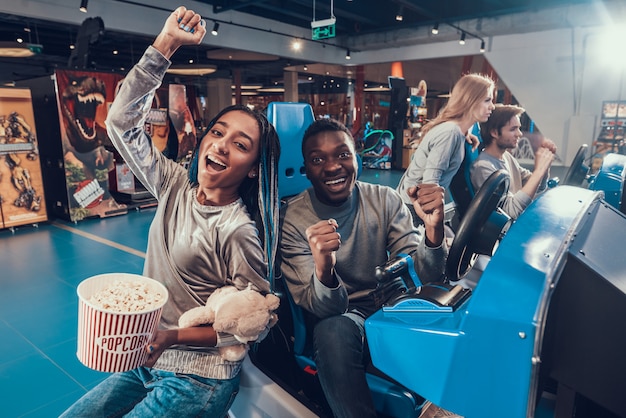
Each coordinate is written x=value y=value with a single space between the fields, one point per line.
x=220 y=8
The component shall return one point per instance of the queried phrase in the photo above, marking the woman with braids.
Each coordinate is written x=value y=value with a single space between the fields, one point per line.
x=204 y=236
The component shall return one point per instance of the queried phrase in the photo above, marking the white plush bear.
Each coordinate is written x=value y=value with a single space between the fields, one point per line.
x=242 y=313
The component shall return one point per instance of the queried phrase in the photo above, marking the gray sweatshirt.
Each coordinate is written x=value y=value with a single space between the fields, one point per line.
x=515 y=200
x=436 y=159
x=374 y=225
x=192 y=248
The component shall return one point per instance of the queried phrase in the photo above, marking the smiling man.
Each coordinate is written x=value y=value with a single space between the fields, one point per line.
x=333 y=237
x=500 y=134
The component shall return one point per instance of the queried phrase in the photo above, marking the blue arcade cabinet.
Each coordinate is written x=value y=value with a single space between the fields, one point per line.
x=548 y=306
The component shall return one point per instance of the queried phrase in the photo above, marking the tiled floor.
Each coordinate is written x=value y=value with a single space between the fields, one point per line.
x=40 y=269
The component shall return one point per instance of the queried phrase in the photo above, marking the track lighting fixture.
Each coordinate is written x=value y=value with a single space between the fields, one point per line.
x=83 y=6
x=348 y=54
x=399 y=15
x=462 y=40
x=482 y=46
x=435 y=29
x=216 y=27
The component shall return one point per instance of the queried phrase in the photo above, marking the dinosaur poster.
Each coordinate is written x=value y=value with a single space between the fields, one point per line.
x=182 y=120
x=83 y=99
x=21 y=186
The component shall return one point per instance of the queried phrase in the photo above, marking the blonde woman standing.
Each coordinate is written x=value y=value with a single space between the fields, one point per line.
x=441 y=151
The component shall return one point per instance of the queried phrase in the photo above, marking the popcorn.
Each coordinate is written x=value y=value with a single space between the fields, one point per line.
x=126 y=296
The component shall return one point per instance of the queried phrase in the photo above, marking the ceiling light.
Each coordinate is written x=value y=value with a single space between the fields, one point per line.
x=348 y=54
x=375 y=89
x=216 y=27
x=482 y=46
x=305 y=68
x=462 y=40
x=83 y=6
x=192 y=70
x=247 y=86
x=399 y=16
x=435 y=29
x=19 y=50
x=272 y=90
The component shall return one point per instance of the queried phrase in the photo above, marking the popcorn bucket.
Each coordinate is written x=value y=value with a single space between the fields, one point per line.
x=114 y=341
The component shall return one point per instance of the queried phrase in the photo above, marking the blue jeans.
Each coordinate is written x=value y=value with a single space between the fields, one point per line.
x=145 y=392
x=341 y=356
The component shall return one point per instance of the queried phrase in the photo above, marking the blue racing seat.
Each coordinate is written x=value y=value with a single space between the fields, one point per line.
x=611 y=179
x=290 y=121
x=461 y=188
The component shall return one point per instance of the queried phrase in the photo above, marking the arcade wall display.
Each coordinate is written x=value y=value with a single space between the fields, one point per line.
x=21 y=184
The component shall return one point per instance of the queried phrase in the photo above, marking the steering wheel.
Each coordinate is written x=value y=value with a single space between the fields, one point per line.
x=481 y=227
x=577 y=171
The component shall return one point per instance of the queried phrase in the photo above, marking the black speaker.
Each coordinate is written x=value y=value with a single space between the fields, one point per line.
x=397 y=121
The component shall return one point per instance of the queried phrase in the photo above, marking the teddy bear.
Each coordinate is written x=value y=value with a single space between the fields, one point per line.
x=243 y=313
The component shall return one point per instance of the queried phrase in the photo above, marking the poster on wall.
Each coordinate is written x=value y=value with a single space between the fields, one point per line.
x=83 y=99
x=21 y=185
x=183 y=123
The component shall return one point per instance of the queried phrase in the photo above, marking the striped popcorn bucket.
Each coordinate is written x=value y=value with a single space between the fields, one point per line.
x=110 y=341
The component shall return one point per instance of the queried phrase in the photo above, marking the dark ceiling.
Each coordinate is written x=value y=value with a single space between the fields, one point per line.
x=355 y=17
x=352 y=18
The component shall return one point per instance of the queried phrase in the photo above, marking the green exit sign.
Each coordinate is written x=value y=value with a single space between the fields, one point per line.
x=36 y=48
x=323 y=29
x=323 y=32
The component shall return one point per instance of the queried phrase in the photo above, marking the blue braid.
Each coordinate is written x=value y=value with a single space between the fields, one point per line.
x=268 y=205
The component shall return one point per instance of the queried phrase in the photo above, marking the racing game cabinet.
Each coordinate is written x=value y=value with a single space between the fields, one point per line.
x=548 y=304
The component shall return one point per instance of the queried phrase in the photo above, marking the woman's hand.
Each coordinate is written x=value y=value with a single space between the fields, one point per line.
x=161 y=340
x=182 y=27
x=200 y=336
x=472 y=140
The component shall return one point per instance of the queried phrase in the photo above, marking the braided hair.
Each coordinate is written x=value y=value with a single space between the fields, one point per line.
x=259 y=194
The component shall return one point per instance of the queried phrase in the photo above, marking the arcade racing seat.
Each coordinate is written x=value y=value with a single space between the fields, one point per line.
x=290 y=121
x=461 y=189
x=611 y=178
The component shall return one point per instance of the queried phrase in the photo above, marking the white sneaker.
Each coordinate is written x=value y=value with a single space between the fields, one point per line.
x=430 y=410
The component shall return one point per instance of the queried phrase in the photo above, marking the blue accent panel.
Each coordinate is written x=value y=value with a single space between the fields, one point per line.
x=610 y=179
x=482 y=359
x=393 y=400
x=290 y=121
